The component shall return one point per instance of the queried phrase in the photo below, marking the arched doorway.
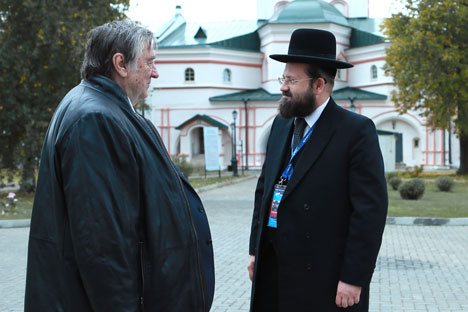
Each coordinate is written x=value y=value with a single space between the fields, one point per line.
x=197 y=147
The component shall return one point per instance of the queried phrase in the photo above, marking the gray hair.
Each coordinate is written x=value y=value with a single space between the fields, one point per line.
x=126 y=37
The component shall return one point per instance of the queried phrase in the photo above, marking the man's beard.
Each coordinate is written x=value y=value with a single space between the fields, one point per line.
x=301 y=105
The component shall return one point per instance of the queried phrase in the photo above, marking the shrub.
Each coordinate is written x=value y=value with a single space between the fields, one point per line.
x=412 y=189
x=395 y=182
x=444 y=183
x=184 y=166
x=414 y=172
x=8 y=204
x=391 y=175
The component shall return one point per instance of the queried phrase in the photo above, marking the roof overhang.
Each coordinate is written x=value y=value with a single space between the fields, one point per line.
x=249 y=95
x=350 y=93
x=204 y=119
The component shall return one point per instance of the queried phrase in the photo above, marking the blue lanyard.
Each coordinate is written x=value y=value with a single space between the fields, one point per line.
x=289 y=169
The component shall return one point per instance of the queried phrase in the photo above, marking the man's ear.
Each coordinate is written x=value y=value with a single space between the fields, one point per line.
x=319 y=85
x=121 y=69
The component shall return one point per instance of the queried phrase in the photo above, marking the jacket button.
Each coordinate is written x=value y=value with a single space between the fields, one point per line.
x=209 y=242
x=306 y=207
x=308 y=267
x=307 y=235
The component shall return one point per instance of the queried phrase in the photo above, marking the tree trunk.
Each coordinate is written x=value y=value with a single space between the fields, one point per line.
x=463 y=154
x=28 y=177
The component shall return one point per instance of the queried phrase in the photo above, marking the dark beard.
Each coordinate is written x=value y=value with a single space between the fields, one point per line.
x=301 y=105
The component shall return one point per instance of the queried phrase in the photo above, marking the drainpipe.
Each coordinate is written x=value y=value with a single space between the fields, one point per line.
x=246 y=134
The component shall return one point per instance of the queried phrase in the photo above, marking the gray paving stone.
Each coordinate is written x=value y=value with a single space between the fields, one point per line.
x=420 y=268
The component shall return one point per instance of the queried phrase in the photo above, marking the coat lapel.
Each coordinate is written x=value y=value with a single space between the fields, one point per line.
x=278 y=150
x=318 y=141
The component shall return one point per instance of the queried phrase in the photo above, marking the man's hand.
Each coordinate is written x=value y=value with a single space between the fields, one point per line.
x=347 y=295
x=250 y=266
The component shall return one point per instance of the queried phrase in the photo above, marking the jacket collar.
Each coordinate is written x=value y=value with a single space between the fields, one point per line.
x=110 y=88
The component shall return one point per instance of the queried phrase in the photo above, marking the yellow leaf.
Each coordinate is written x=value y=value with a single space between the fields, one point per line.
x=40 y=34
x=45 y=66
x=64 y=28
x=23 y=78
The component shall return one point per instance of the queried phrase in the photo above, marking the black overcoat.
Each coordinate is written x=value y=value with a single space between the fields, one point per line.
x=112 y=228
x=332 y=215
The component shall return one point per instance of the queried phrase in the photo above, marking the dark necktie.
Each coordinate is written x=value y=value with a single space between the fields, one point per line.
x=299 y=126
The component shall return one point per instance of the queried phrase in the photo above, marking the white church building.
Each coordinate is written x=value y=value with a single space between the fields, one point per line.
x=208 y=70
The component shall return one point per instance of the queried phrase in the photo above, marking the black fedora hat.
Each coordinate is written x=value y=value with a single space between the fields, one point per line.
x=312 y=46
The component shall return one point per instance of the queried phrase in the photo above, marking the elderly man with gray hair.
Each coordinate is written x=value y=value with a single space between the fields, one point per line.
x=115 y=225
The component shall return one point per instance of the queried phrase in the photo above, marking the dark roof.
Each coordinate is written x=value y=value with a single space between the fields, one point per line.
x=240 y=35
x=356 y=94
x=360 y=38
x=385 y=132
x=308 y=11
x=205 y=118
x=250 y=95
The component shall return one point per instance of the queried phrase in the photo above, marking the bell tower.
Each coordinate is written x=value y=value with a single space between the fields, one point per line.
x=352 y=8
x=266 y=8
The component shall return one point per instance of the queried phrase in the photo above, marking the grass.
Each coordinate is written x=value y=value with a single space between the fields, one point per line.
x=25 y=201
x=429 y=175
x=433 y=204
x=200 y=182
x=9 y=176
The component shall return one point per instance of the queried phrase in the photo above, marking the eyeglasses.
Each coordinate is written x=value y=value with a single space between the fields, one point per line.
x=290 y=81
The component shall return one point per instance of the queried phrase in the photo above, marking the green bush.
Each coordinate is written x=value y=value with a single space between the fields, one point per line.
x=8 y=203
x=413 y=172
x=395 y=182
x=444 y=183
x=412 y=189
x=184 y=166
x=391 y=175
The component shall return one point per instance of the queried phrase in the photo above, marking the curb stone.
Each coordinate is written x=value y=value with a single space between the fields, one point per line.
x=427 y=221
x=14 y=223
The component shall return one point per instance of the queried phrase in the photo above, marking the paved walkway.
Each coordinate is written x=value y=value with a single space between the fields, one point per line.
x=420 y=268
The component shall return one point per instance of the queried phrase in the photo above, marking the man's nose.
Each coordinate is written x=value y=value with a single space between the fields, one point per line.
x=154 y=72
x=284 y=87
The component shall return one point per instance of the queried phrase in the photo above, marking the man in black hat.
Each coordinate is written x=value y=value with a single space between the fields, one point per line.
x=321 y=199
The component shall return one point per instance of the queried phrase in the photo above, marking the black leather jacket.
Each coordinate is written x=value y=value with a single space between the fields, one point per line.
x=111 y=228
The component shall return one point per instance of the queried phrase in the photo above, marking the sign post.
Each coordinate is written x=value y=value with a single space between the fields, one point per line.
x=211 y=143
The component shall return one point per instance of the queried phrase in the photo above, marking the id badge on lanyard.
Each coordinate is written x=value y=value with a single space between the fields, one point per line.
x=285 y=177
x=277 y=196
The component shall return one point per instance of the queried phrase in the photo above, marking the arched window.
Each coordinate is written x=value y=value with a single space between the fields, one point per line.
x=226 y=75
x=373 y=72
x=189 y=74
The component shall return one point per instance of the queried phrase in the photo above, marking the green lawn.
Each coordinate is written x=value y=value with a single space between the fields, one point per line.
x=25 y=201
x=200 y=182
x=433 y=203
